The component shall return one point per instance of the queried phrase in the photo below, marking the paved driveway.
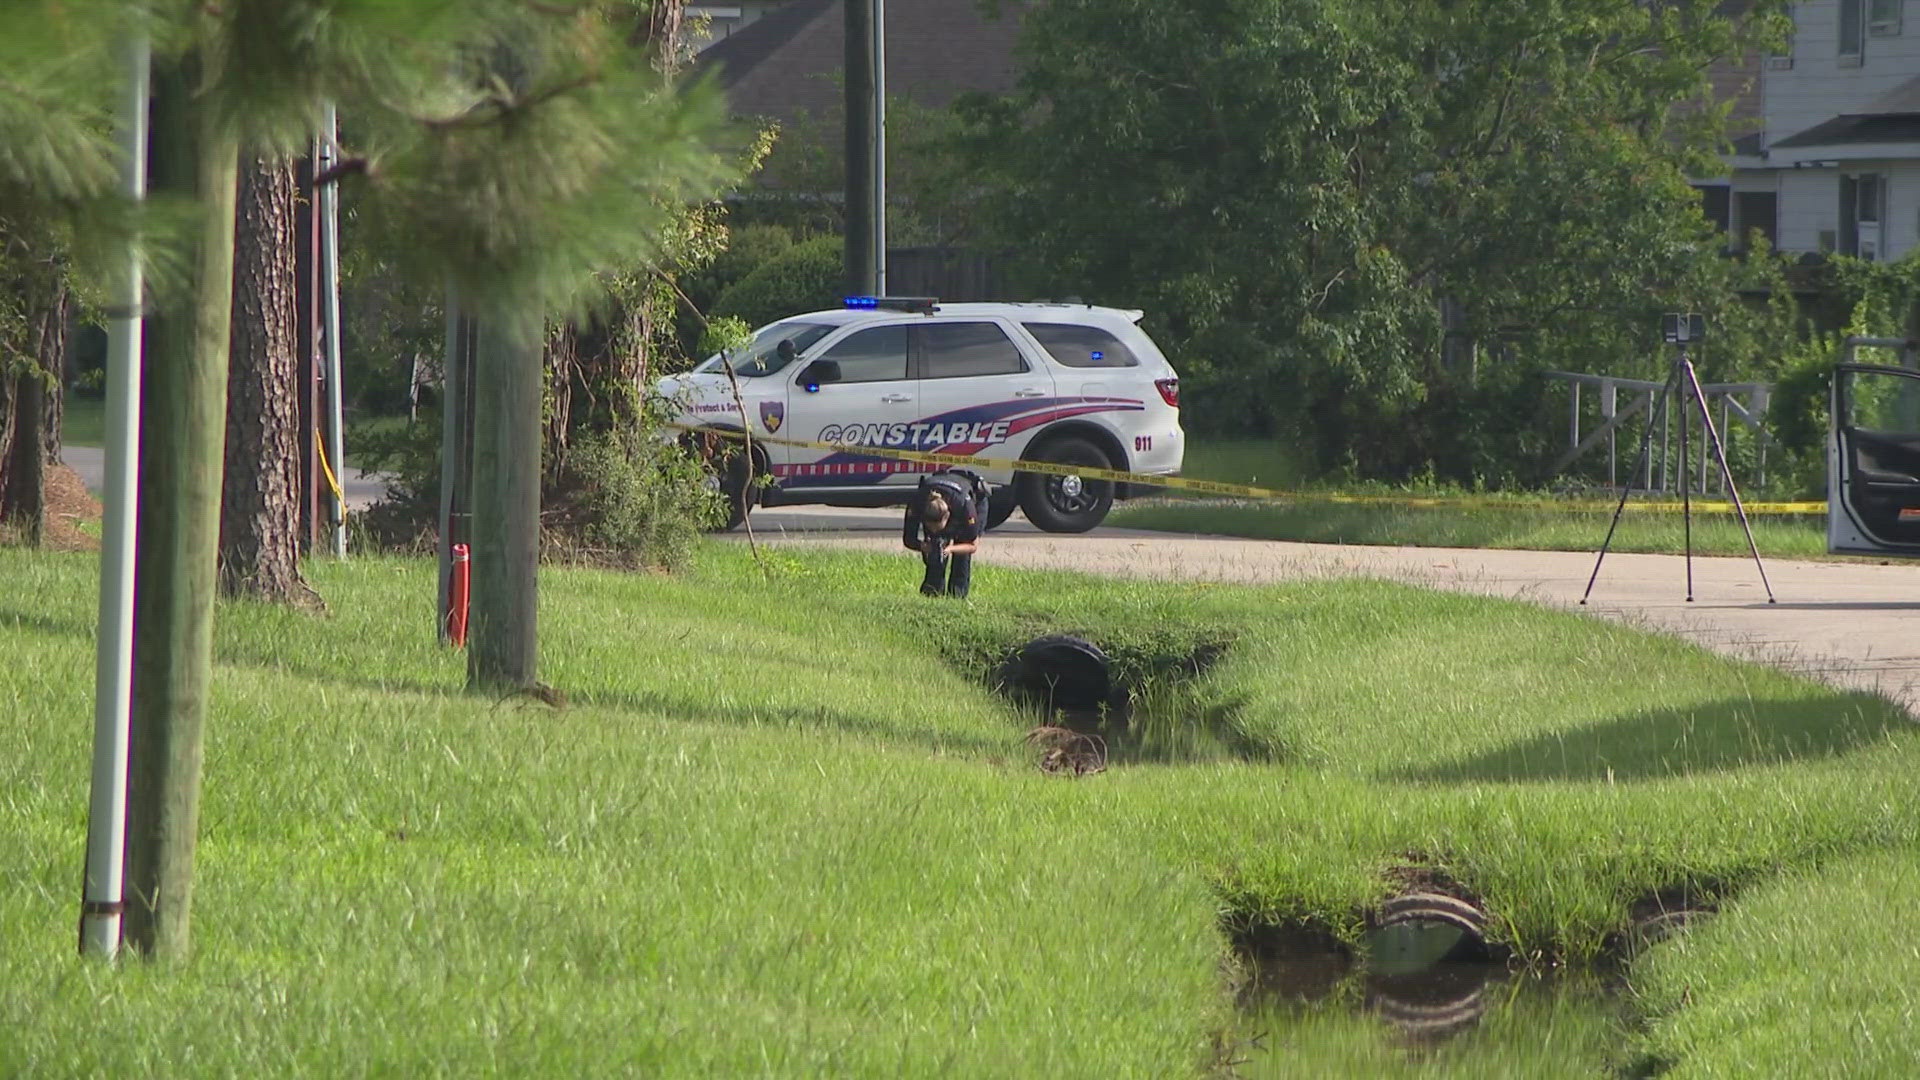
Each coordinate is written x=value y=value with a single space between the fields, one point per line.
x=361 y=489
x=1852 y=623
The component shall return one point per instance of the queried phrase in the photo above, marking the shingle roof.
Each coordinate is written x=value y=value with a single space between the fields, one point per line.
x=1893 y=117
x=792 y=60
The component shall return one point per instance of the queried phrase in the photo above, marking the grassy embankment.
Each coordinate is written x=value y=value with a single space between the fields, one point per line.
x=782 y=828
x=1493 y=521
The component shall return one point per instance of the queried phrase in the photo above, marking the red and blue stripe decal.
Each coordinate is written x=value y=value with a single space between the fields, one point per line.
x=844 y=467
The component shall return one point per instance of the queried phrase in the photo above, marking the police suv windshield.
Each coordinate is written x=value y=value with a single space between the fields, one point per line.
x=762 y=356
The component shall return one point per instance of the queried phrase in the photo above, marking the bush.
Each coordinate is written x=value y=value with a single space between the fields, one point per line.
x=622 y=497
x=628 y=498
x=748 y=248
x=806 y=277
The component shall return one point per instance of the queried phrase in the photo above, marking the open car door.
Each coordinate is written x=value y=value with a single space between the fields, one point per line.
x=1873 y=462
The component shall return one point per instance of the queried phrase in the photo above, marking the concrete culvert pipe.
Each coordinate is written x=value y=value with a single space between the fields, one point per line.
x=1417 y=930
x=1063 y=673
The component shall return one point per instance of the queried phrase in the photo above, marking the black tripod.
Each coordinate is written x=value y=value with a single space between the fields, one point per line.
x=1682 y=380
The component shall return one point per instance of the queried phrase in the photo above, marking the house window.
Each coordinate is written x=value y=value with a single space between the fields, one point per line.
x=1783 y=60
x=1853 y=31
x=1883 y=18
x=1716 y=203
x=1755 y=212
x=1863 y=201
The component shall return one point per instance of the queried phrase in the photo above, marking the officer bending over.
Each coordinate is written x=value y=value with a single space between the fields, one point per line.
x=943 y=525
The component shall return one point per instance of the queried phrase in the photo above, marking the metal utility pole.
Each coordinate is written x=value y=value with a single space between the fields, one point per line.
x=879 y=152
x=865 y=147
x=183 y=428
x=330 y=270
x=455 y=425
x=104 y=892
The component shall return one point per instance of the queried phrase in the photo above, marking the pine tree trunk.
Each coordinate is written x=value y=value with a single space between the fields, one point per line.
x=183 y=414
x=260 y=492
x=30 y=428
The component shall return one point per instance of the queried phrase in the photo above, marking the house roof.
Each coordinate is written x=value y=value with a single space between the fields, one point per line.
x=1893 y=117
x=792 y=60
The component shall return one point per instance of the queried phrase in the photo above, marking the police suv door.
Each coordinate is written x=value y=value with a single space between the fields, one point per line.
x=1873 y=461
x=872 y=395
x=979 y=393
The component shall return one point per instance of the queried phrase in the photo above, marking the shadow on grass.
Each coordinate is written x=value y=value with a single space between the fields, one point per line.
x=1715 y=737
x=56 y=627
x=881 y=732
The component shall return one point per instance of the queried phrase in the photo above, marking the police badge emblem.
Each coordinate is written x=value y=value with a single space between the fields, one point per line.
x=771 y=413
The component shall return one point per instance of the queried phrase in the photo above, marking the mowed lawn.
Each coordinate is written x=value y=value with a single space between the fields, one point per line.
x=1440 y=516
x=784 y=827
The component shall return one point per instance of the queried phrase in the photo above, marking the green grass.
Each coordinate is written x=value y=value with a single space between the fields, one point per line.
x=359 y=429
x=1260 y=462
x=1495 y=520
x=1488 y=526
x=83 y=421
x=783 y=827
x=1815 y=974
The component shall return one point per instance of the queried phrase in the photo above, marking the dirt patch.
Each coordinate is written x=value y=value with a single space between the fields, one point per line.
x=71 y=510
x=1421 y=873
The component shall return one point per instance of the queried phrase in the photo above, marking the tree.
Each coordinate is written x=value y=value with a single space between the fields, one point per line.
x=34 y=324
x=260 y=492
x=1292 y=188
x=554 y=151
x=56 y=172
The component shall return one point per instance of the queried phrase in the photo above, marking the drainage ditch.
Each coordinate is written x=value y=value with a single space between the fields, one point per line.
x=1424 y=982
x=1094 y=706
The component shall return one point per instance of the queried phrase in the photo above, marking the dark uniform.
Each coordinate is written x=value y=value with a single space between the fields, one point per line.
x=966 y=498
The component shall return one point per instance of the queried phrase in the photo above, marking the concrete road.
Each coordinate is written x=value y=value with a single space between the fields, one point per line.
x=361 y=489
x=1856 y=624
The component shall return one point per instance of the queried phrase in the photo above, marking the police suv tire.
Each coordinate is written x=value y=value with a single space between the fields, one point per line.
x=1001 y=505
x=735 y=476
x=1061 y=504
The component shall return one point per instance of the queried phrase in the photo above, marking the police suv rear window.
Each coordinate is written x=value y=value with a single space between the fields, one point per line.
x=958 y=349
x=1082 y=346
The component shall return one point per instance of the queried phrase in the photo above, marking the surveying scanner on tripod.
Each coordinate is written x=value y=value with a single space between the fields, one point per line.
x=1683 y=332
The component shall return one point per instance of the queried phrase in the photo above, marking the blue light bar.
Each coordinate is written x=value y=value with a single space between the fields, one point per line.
x=925 y=305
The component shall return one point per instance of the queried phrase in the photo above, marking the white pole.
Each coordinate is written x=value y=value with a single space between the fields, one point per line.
x=103 y=894
x=330 y=266
x=880 y=147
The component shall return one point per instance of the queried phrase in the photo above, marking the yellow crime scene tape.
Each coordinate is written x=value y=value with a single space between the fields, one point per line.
x=1248 y=491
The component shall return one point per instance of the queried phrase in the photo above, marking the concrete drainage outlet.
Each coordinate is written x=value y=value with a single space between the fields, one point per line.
x=1418 y=930
x=1066 y=675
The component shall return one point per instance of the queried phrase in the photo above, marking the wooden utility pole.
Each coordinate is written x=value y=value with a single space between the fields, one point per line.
x=503 y=642
x=183 y=425
x=863 y=246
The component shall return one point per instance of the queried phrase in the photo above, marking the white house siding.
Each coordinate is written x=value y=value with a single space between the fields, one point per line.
x=1818 y=87
x=1903 y=208
x=1809 y=205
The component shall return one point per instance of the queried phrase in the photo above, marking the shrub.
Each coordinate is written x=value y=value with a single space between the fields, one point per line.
x=626 y=497
x=622 y=497
x=806 y=277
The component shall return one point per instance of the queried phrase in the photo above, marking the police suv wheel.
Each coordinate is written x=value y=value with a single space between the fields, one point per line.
x=1001 y=505
x=730 y=472
x=1066 y=504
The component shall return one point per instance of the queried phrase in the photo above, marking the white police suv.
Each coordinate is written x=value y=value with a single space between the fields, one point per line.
x=1067 y=383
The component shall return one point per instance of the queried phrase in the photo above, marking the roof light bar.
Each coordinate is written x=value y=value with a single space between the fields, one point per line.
x=924 y=305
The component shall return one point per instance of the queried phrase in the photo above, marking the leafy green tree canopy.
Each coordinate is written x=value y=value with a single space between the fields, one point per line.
x=1291 y=187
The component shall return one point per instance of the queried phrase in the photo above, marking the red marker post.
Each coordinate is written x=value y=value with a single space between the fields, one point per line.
x=457 y=588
